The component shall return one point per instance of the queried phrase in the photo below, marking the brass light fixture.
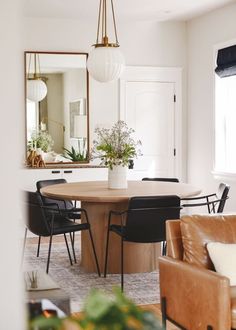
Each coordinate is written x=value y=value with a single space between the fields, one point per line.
x=36 y=87
x=105 y=62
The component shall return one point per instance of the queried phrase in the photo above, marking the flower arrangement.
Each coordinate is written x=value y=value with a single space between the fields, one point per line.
x=115 y=146
x=41 y=139
x=103 y=313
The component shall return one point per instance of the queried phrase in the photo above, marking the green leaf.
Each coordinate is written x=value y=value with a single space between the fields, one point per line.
x=97 y=305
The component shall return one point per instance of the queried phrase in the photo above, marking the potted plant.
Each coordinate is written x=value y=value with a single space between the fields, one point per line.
x=115 y=147
x=103 y=313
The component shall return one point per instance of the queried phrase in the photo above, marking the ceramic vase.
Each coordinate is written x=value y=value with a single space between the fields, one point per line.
x=117 y=177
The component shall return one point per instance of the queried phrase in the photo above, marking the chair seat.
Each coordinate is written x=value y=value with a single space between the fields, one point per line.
x=118 y=230
x=233 y=306
x=138 y=234
x=74 y=215
x=64 y=225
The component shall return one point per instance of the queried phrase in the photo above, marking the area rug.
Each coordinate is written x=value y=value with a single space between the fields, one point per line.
x=142 y=288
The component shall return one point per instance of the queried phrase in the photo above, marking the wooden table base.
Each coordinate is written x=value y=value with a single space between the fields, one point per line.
x=137 y=257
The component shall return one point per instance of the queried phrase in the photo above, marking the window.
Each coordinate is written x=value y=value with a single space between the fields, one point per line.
x=225 y=119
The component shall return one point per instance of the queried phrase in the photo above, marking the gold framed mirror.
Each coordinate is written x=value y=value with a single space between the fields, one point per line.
x=57 y=108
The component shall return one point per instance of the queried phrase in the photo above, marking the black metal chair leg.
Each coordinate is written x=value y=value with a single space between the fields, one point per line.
x=39 y=241
x=23 y=248
x=163 y=248
x=122 y=264
x=106 y=255
x=68 y=250
x=94 y=252
x=72 y=239
x=49 y=253
x=163 y=312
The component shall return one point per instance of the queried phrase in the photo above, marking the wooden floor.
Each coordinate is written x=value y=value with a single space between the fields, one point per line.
x=156 y=309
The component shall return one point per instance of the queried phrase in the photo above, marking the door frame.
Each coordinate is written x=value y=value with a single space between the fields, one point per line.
x=161 y=75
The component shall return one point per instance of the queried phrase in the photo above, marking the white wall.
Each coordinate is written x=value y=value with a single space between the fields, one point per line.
x=203 y=33
x=11 y=128
x=143 y=43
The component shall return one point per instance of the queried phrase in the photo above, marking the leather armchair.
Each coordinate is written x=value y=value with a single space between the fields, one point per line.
x=193 y=295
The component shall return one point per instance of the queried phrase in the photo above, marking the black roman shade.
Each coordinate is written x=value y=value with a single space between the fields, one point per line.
x=226 y=62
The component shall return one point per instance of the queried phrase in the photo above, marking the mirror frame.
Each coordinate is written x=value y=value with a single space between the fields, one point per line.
x=57 y=164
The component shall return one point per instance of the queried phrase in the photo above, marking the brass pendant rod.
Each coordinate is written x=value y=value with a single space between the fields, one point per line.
x=103 y=26
x=103 y=21
x=39 y=69
x=28 y=75
x=35 y=73
x=99 y=20
x=114 y=21
x=105 y=11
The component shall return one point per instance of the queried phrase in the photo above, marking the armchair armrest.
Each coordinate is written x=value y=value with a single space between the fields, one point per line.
x=202 y=204
x=199 y=197
x=194 y=297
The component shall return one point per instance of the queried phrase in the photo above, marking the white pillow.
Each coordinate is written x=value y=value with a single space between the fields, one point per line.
x=223 y=257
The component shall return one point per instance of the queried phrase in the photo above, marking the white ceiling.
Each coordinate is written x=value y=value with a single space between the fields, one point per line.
x=159 y=10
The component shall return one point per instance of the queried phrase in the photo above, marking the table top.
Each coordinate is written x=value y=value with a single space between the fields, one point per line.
x=97 y=191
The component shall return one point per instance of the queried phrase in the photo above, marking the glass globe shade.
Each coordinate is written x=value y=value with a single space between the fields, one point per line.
x=36 y=90
x=105 y=63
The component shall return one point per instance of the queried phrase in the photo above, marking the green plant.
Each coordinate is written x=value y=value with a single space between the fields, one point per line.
x=104 y=313
x=41 y=139
x=74 y=155
x=115 y=146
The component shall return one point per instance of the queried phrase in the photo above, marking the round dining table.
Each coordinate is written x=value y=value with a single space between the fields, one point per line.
x=99 y=200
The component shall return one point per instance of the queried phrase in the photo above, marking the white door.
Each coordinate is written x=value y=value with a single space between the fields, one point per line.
x=149 y=109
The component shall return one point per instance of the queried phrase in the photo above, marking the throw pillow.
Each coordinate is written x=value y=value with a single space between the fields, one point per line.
x=223 y=257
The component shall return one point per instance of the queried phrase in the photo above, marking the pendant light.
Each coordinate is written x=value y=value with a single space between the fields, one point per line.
x=105 y=62
x=36 y=87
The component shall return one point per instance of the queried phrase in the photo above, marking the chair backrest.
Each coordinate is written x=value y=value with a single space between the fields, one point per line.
x=161 y=179
x=222 y=194
x=146 y=217
x=36 y=220
x=61 y=204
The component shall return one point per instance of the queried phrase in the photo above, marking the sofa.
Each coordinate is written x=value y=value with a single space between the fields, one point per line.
x=193 y=294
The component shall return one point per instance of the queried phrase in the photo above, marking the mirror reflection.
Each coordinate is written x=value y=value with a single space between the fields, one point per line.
x=57 y=107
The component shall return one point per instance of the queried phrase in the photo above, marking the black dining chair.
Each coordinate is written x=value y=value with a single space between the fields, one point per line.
x=161 y=179
x=47 y=221
x=62 y=204
x=215 y=202
x=143 y=222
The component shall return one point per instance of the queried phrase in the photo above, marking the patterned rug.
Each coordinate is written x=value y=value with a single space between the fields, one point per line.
x=142 y=288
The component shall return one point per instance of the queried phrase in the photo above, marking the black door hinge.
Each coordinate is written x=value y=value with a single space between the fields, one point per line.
x=174 y=152
x=174 y=98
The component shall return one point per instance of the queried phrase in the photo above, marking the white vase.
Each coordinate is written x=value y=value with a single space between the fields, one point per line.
x=117 y=177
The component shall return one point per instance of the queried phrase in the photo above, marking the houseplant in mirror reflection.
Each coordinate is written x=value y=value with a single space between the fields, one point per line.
x=41 y=140
x=74 y=155
x=38 y=147
x=115 y=147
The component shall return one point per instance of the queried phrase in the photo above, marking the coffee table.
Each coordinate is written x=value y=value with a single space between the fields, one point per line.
x=55 y=294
